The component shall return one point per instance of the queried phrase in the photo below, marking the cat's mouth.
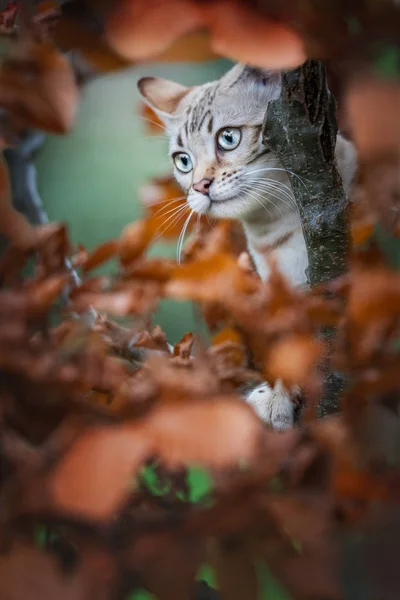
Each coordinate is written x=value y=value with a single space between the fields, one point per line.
x=214 y=202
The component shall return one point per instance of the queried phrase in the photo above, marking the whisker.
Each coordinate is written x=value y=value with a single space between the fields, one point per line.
x=210 y=222
x=272 y=191
x=172 y=220
x=286 y=189
x=259 y=202
x=182 y=237
x=267 y=185
x=160 y=210
x=301 y=179
x=153 y=122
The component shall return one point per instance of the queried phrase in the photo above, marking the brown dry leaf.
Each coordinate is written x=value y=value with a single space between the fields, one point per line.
x=182 y=378
x=184 y=347
x=365 y=307
x=139 y=30
x=96 y=474
x=132 y=299
x=12 y=223
x=229 y=334
x=215 y=432
x=294 y=359
x=185 y=551
x=100 y=255
x=135 y=239
x=361 y=232
x=42 y=294
x=302 y=516
x=229 y=343
x=37 y=86
x=28 y=572
x=154 y=269
x=164 y=202
x=209 y=279
x=235 y=571
x=309 y=575
x=372 y=104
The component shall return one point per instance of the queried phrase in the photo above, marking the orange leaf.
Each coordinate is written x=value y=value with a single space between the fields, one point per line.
x=100 y=255
x=293 y=359
x=95 y=476
x=217 y=432
x=42 y=294
x=184 y=347
x=209 y=279
x=231 y=346
x=37 y=86
x=164 y=202
x=135 y=239
x=226 y=335
x=12 y=223
x=362 y=232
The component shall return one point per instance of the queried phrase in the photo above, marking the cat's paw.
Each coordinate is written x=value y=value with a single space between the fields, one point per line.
x=273 y=405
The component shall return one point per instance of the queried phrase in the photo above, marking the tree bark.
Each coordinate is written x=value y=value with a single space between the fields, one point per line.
x=301 y=128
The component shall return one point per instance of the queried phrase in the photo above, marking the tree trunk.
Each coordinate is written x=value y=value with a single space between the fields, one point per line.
x=301 y=128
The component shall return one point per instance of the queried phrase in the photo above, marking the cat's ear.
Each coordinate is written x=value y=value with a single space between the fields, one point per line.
x=162 y=95
x=267 y=81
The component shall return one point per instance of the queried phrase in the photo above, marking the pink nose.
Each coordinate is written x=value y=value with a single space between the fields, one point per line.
x=203 y=186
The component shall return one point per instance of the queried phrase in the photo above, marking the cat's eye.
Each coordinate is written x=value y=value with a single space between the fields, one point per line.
x=183 y=162
x=229 y=139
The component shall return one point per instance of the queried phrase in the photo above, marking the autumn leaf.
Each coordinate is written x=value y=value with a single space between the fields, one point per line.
x=100 y=255
x=135 y=239
x=96 y=474
x=28 y=571
x=12 y=223
x=139 y=30
x=37 y=86
x=235 y=569
x=209 y=279
x=167 y=206
x=184 y=347
x=294 y=359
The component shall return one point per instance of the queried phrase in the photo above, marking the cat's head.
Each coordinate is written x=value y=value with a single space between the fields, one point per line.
x=215 y=133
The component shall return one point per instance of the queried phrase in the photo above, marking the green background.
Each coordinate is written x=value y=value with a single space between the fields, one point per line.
x=90 y=178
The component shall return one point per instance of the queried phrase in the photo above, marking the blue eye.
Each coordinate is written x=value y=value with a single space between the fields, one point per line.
x=229 y=139
x=183 y=162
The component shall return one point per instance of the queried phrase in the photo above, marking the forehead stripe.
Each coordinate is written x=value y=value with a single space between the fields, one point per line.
x=204 y=117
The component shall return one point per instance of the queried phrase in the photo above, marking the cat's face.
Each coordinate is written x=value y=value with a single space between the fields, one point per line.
x=215 y=133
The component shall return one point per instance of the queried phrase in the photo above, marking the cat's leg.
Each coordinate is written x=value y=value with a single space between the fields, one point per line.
x=273 y=405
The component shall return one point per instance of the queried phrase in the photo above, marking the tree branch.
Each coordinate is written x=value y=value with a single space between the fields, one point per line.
x=300 y=128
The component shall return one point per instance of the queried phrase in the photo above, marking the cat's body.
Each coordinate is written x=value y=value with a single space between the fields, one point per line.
x=215 y=133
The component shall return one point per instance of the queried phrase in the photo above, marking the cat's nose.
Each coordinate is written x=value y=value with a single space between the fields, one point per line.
x=203 y=186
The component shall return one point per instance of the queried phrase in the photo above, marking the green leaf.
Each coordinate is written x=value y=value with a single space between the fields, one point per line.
x=150 y=479
x=387 y=62
x=200 y=483
x=271 y=588
x=207 y=574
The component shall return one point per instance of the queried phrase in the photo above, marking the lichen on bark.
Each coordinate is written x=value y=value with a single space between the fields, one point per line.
x=301 y=129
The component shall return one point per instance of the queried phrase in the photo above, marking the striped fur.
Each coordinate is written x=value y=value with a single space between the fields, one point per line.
x=247 y=183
